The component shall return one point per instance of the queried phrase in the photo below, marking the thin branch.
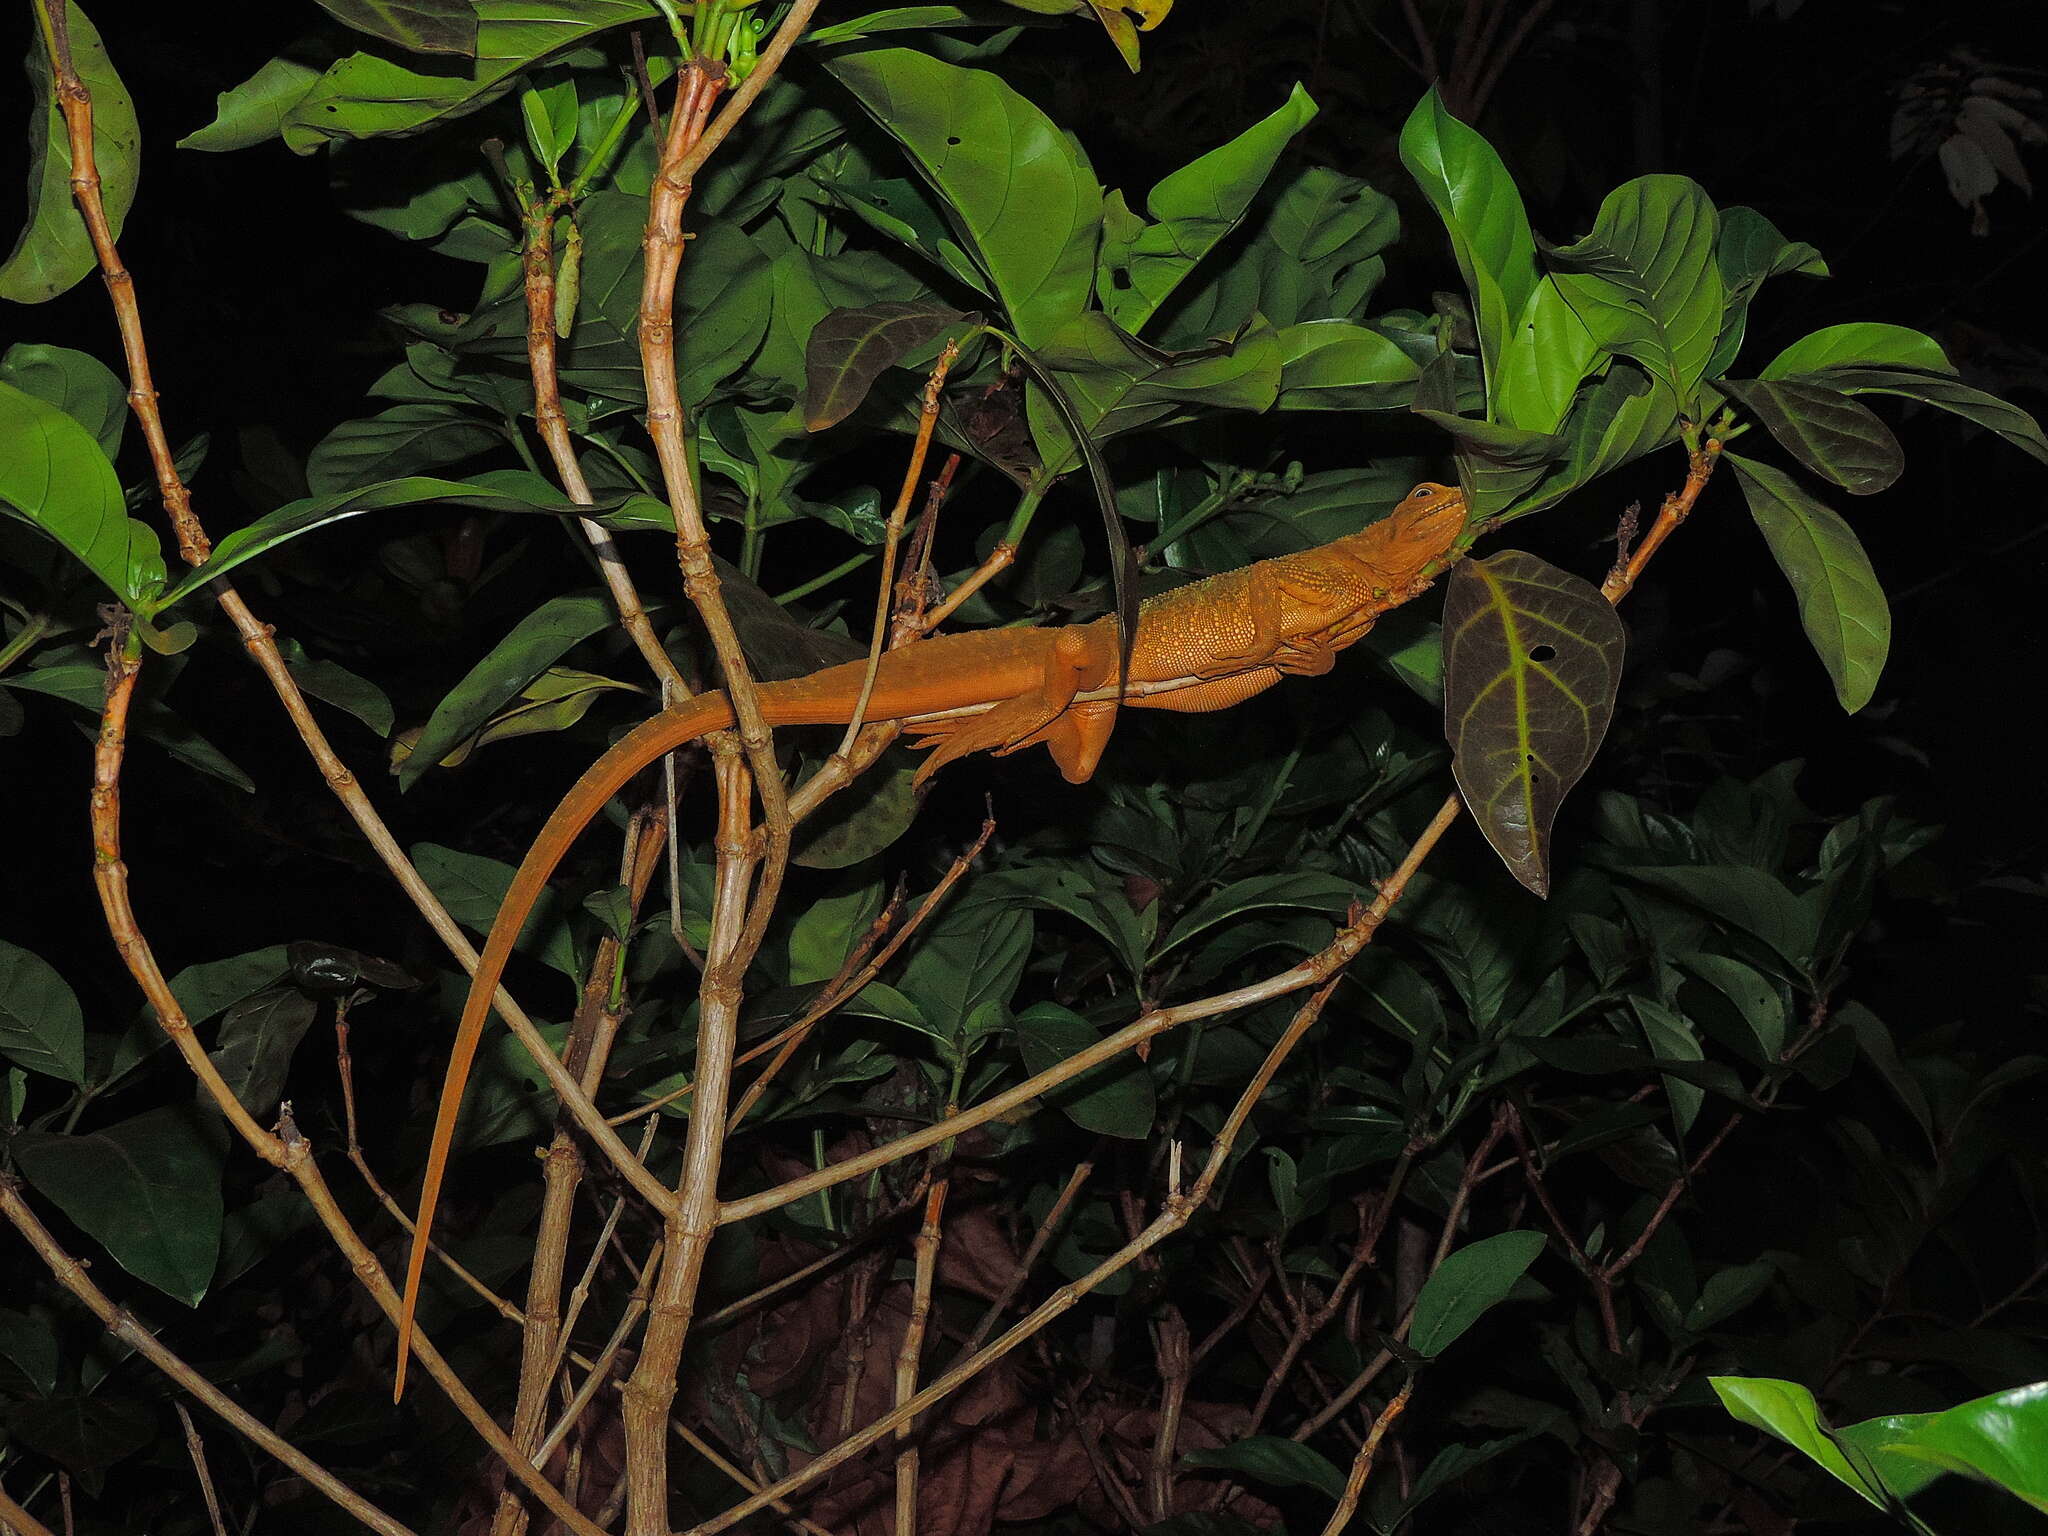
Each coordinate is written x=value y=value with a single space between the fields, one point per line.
x=1046 y=1228
x=17 y=1521
x=925 y=1255
x=121 y=1323
x=196 y=1449
x=1361 y=1464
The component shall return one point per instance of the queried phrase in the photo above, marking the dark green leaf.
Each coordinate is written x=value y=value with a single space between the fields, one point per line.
x=53 y=250
x=1114 y=1099
x=1017 y=189
x=472 y=888
x=86 y=1434
x=1986 y=410
x=1749 y=901
x=861 y=820
x=1748 y=250
x=425 y=26
x=1841 y=606
x=212 y=986
x=1825 y=430
x=1755 y=998
x=77 y=383
x=851 y=347
x=1532 y=661
x=396 y=443
x=255 y=1047
x=1307 y=890
x=29 y=1341
x=1271 y=1459
x=41 y=1026
x=1728 y=1291
x=83 y=684
x=1470 y=1280
x=1671 y=1037
x=332 y=683
x=972 y=958
x=55 y=477
x=147 y=1188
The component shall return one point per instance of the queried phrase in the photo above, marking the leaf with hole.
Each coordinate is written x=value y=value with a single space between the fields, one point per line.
x=1532 y=663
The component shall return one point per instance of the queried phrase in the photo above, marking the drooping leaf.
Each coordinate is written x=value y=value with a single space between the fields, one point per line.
x=1859 y=344
x=861 y=820
x=2000 y=1439
x=851 y=347
x=147 y=1188
x=1985 y=409
x=55 y=477
x=255 y=111
x=84 y=684
x=1532 y=663
x=1645 y=282
x=1749 y=249
x=1470 y=1280
x=1841 y=606
x=254 y=1049
x=1274 y=1460
x=332 y=683
x=1465 y=181
x=1672 y=1038
x=1017 y=190
x=77 y=383
x=1191 y=210
x=211 y=986
x=404 y=440
x=1787 y=1410
x=1113 y=1099
x=53 y=250
x=1825 y=430
x=41 y=1026
x=554 y=701
x=425 y=26
x=1307 y=890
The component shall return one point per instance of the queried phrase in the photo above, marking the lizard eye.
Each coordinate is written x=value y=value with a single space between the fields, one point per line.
x=1421 y=493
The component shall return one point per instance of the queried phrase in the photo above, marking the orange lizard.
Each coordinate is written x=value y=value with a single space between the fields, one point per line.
x=1208 y=645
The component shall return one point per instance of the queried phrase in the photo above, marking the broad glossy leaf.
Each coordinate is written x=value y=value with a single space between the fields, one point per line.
x=148 y=1189
x=255 y=111
x=1339 y=365
x=1470 y=1280
x=254 y=1049
x=55 y=477
x=1841 y=606
x=1101 y=904
x=1545 y=357
x=1859 y=344
x=425 y=26
x=1645 y=281
x=1308 y=249
x=1986 y=410
x=1497 y=464
x=1748 y=250
x=825 y=934
x=1787 y=1410
x=970 y=960
x=534 y=644
x=907 y=213
x=1823 y=429
x=1464 y=180
x=1114 y=1099
x=1274 y=1460
x=1191 y=210
x=472 y=888
x=1118 y=384
x=1017 y=189
x=2001 y=1439
x=77 y=383
x=1532 y=662
x=396 y=443
x=366 y=95
x=53 y=250
x=41 y=1026
x=851 y=347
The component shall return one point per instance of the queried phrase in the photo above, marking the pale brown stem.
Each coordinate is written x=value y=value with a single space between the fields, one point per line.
x=885 y=588
x=538 y=264
x=925 y=1255
x=121 y=1324
x=859 y=1324
x=1361 y=1464
x=1174 y=1214
x=196 y=1449
x=1044 y=1234
x=601 y=1369
x=16 y=1521
x=1171 y=1346
x=999 y=560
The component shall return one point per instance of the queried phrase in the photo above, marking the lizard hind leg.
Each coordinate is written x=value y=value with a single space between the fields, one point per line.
x=1075 y=660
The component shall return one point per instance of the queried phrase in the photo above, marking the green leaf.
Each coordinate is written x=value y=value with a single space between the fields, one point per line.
x=1542 y=362
x=851 y=348
x=148 y=1189
x=212 y=986
x=862 y=819
x=403 y=440
x=1465 y=181
x=968 y=961
x=1841 y=606
x=1986 y=410
x=254 y=1049
x=41 y=1026
x=549 y=113
x=1671 y=1037
x=1192 y=209
x=900 y=18
x=1748 y=250
x=1532 y=663
x=1825 y=430
x=1728 y=1291
x=1645 y=282
x=554 y=701
x=1859 y=344
x=1749 y=901
x=1274 y=1460
x=425 y=26
x=472 y=888
x=1468 y=1282
x=1116 y=383
x=255 y=111
x=332 y=683
x=534 y=644
x=87 y=1434
x=1339 y=365
x=1787 y=1410
x=1114 y=1099
x=2001 y=1439
x=30 y=1343
x=55 y=477
x=1762 y=1009
x=53 y=251
x=366 y=95
x=1306 y=890
x=1017 y=190
x=77 y=383
x=826 y=933
x=84 y=686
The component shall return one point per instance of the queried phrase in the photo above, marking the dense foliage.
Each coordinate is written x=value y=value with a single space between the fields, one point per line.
x=1535 y=1171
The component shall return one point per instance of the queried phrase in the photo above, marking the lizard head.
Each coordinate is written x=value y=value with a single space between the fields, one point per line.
x=1422 y=526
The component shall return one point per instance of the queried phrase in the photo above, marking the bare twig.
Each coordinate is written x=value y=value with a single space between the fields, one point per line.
x=196 y=1449
x=1361 y=1464
x=16 y=1521
x=925 y=1264
x=1046 y=1228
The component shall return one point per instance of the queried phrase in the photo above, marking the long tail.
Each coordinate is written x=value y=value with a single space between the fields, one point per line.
x=639 y=747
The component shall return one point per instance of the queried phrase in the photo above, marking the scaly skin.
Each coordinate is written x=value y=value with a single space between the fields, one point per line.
x=1200 y=647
